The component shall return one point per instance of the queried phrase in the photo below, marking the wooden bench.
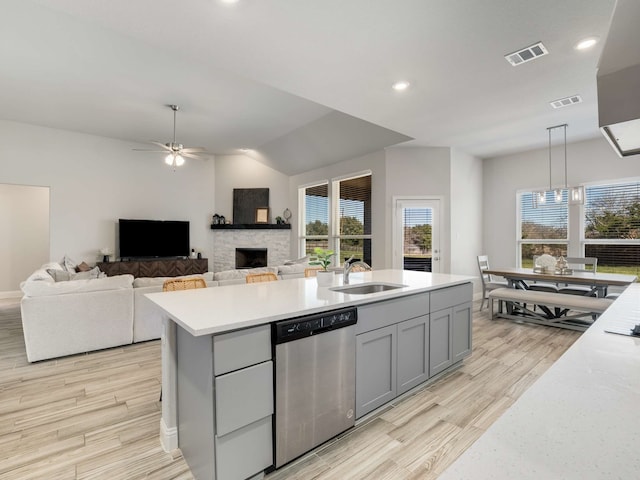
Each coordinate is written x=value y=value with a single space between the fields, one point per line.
x=575 y=312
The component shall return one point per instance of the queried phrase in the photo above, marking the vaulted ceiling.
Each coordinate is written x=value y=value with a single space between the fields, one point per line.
x=304 y=83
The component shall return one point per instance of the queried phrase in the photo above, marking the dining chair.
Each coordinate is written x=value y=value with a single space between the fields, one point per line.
x=580 y=264
x=311 y=271
x=175 y=284
x=488 y=283
x=261 y=277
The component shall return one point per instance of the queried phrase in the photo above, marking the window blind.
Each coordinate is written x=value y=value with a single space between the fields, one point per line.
x=612 y=226
x=547 y=221
x=316 y=203
x=355 y=206
x=613 y=211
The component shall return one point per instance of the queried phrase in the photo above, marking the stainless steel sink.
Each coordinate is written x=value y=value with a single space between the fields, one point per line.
x=366 y=288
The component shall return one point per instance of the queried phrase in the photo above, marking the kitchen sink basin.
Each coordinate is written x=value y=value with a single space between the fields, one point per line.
x=366 y=288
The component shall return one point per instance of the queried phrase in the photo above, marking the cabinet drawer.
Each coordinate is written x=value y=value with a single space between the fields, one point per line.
x=245 y=452
x=450 y=296
x=242 y=348
x=383 y=314
x=243 y=396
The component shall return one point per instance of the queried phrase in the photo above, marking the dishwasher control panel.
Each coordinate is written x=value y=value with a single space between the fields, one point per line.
x=295 y=328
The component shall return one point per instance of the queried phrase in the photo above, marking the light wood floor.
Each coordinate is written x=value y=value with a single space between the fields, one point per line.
x=97 y=415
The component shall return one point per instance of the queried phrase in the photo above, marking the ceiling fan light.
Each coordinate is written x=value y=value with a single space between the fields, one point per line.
x=179 y=161
x=169 y=159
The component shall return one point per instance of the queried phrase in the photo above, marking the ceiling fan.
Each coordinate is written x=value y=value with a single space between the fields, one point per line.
x=176 y=152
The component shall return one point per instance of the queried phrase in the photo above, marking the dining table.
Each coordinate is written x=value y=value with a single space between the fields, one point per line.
x=599 y=282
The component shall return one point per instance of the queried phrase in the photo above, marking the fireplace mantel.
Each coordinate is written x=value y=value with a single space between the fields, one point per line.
x=251 y=226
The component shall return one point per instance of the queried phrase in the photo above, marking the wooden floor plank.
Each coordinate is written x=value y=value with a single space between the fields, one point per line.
x=97 y=415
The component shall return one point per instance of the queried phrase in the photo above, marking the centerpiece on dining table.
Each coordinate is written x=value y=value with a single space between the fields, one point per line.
x=548 y=264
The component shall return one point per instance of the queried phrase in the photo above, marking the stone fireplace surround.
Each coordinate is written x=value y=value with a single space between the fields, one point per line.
x=225 y=242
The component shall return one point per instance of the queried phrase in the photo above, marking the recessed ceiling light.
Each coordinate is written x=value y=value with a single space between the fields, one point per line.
x=401 y=85
x=586 y=43
x=229 y=1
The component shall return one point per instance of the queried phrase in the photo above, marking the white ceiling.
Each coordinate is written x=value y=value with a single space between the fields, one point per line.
x=293 y=78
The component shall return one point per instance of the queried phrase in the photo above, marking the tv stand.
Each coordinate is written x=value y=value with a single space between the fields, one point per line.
x=174 y=267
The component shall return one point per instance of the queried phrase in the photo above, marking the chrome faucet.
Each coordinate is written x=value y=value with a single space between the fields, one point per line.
x=348 y=265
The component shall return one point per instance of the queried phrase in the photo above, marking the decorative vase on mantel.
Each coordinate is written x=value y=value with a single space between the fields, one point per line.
x=325 y=278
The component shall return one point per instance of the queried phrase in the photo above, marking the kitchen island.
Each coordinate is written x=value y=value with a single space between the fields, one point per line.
x=217 y=355
x=579 y=420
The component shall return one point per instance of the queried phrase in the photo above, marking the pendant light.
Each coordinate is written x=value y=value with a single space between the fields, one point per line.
x=576 y=194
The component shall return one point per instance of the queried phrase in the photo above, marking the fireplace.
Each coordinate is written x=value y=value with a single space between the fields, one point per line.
x=251 y=257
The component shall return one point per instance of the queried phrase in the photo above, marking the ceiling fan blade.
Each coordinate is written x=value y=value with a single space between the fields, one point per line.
x=193 y=149
x=161 y=145
x=191 y=155
x=151 y=151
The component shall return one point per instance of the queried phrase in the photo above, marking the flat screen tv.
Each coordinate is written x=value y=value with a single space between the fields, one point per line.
x=153 y=238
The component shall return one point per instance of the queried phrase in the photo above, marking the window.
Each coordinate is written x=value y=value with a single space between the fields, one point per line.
x=612 y=226
x=348 y=229
x=542 y=229
x=315 y=210
x=353 y=201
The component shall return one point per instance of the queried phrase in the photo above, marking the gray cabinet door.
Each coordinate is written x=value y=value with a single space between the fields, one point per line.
x=413 y=353
x=376 y=365
x=440 y=351
x=461 y=331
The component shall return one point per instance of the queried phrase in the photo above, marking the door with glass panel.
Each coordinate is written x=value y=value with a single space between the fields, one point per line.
x=416 y=235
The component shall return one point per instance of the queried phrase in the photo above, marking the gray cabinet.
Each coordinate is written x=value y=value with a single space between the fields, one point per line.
x=403 y=342
x=440 y=353
x=461 y=335
x=450 y=327
x=375 y=369
x=413 y=353
x=391 y=350
x=390 y=361
x=225 y=403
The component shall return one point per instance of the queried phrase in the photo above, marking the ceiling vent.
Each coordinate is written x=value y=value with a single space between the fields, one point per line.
x=526 y=54
x=565 y=102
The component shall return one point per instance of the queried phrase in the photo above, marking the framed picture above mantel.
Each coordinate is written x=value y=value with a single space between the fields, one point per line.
x=262 y=215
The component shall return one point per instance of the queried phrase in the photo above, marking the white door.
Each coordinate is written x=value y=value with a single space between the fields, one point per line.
x=416 y=234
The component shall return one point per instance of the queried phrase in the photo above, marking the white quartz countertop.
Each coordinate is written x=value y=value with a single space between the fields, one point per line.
x=212 y=310
x=580 y=420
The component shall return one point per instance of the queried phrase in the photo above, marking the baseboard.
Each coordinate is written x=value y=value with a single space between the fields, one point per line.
x=168 y=437
x=11 y=294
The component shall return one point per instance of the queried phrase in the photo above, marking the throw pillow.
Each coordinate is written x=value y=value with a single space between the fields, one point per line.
x=83 y=267
x=87 y=275
x=68 y=264
x=59 y=275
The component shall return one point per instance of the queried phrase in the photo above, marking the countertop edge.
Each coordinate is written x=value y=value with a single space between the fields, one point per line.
x=343 y=300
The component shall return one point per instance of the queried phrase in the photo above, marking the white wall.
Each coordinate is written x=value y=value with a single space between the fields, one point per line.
x=240 y=171
x=94 y=181
x=374 y=162
x=466 y=213
x=420 y=171
x=588 y=162
x=24 y=243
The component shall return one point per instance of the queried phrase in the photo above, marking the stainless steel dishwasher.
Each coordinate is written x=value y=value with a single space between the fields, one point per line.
x=314 y=381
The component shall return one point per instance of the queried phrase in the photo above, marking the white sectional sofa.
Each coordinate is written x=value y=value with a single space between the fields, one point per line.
x=82 y=314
